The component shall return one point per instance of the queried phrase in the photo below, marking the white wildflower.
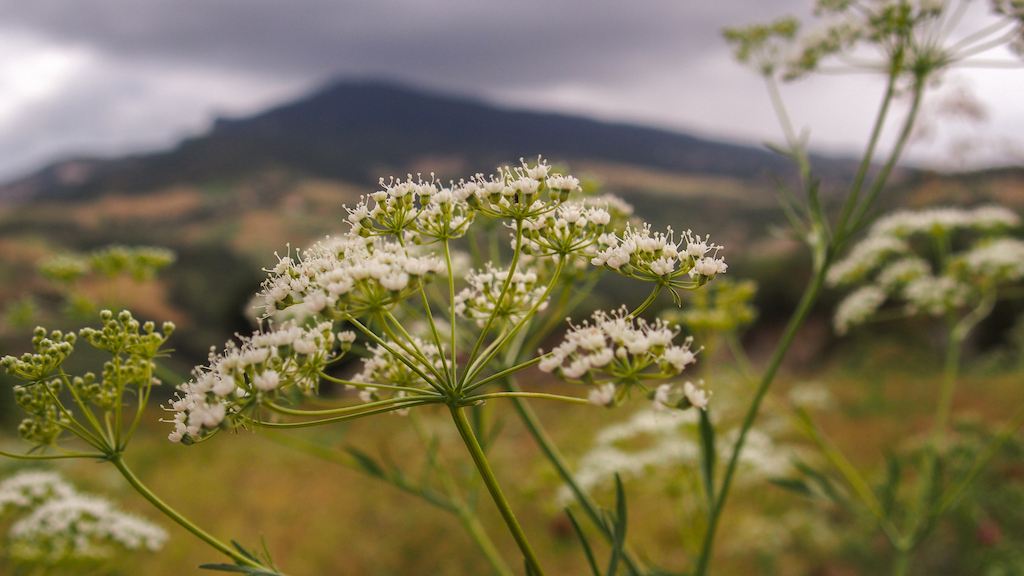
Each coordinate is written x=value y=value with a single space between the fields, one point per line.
x=857 y=307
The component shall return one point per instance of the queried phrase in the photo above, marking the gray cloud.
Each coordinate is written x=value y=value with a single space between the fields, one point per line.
x=456 y=42
x=160 y=69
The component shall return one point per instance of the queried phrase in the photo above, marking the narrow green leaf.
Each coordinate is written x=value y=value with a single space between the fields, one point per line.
x=241 y=550
x=793 y=485
x=239 y=569
x=583 y=540
x=894 y=472
x=619 y=528
x=366 y=462
x=823 y=482
x=708 y=456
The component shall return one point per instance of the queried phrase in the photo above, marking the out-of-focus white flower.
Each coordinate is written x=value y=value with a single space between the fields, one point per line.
x=59 y=525
x=32 y=487
x=483 y=298
x=603 y=395
x=81 y=526
x=697 y=396
x=857 y=307
x=864 y=257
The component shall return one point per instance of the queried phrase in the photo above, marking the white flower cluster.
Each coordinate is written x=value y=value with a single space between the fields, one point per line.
x=347 y=276
x=30 y=488
x=80 y=527
x=656 y=256
x=483 y=298
x=998 y=261
x=60 y=525
x=572 y=228
x=240 y=375
x=653 y=441
x=616 y=351
x=426 y=212
x=937 y=221
x=413 y=206
x=691 y=395
x=887 y=261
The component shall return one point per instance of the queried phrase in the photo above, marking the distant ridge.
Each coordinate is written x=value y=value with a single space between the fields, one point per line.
x=349 y=130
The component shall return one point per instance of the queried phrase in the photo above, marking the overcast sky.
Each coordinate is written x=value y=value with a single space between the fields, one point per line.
x=106 y=77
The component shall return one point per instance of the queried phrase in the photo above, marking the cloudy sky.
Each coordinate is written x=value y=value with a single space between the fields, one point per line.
x=106 y=77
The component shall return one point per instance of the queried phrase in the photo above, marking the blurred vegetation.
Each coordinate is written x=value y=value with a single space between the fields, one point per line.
x=252 y=485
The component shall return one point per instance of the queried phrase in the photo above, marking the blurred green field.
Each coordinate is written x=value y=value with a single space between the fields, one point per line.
x=320 y=517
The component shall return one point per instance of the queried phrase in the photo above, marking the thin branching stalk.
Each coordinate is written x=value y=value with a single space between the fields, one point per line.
x=178 y=518
x=477 y=453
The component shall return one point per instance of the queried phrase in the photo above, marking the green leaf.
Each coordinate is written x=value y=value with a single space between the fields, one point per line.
x=583 y=540
x=894 y=472
x=241 y=550
x=708 y=456
x=824 y=483
x=366 y=462
x=796 y=485
x=619 y=528
x=239 y=569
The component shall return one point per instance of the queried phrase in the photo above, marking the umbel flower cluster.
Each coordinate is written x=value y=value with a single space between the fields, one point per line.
x=616 y=351
x=54 y=525
x=935 y=261
x=398 y=265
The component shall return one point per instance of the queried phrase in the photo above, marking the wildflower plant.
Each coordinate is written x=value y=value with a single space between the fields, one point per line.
x=396 y=265
x=51 y=526
x=432 y=331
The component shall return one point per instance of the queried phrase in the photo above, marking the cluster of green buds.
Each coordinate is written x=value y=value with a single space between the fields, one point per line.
x=724 y=307
x=132 y=346
x=141 y=263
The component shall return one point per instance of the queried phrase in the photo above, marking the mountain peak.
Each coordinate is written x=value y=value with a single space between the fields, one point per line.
x=353 y=129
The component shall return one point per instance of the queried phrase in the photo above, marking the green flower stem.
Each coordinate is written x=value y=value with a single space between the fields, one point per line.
x=477 y=453
x=547 y=446
x=1016 y=421
x=373 y=385
x=401 y=358
x=796 y=321
x=310 y=423
x=477 y=366
x=101 y=443
x=501 y=296
x=346 y=410
x=958 y=332
x=865 y=162
x=451 y=304
x=120 y=384
x=410 y=347
x=539 y=395
x=502 y=374
x=489 y=354
x=68 y=456
x=143 y=399
x=795 y=146
x=646 y=303
x=850 y=474
x=465 y=513
x=434 y=333
x=883 y=175
x=178 y=518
